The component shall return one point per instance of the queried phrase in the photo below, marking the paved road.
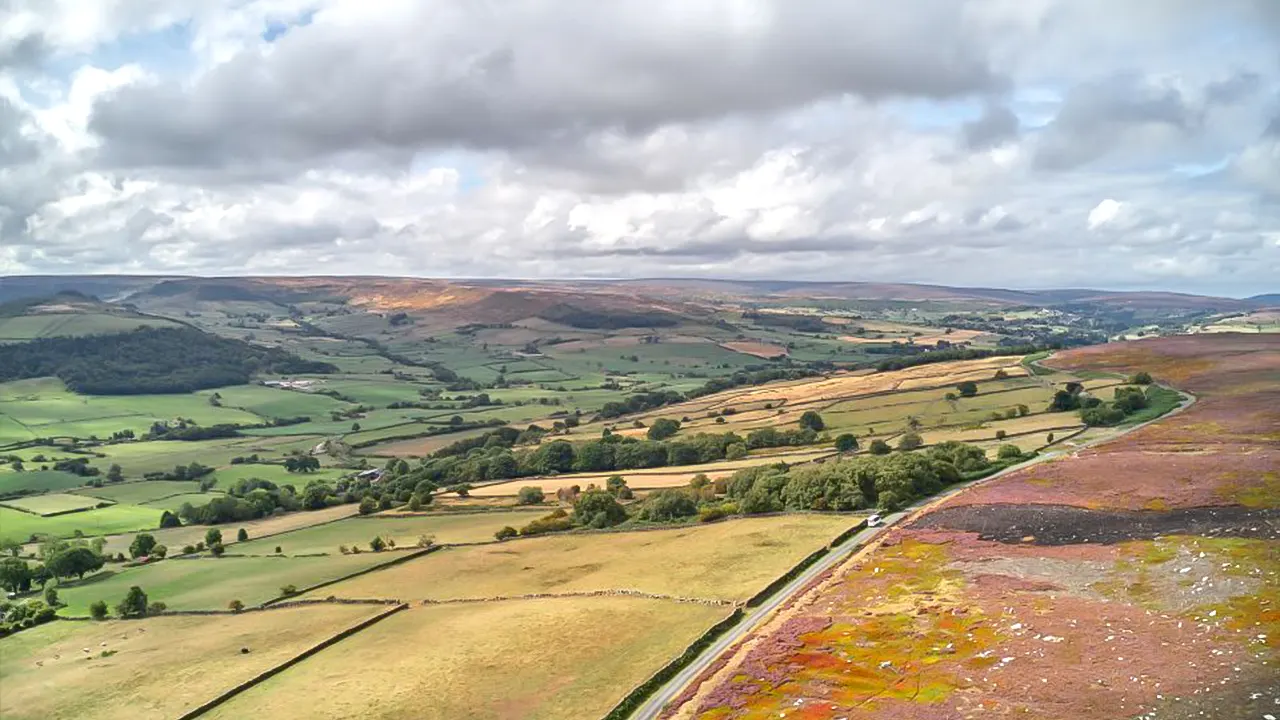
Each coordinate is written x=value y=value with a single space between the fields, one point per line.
x=668 y=692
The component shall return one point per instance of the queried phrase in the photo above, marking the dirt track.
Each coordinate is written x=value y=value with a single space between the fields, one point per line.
x=1069 y=525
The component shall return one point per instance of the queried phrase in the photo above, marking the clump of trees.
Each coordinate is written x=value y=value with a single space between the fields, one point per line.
x=148 y=360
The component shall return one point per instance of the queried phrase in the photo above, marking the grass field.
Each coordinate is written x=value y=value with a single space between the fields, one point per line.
x=37 y=481
x=725 y=561
x=270 y=402
x=173 y=502
x=51 y=503
x=20 y=526
x=140 y=492
x=227 y=476
x=533 y=659
x=41 y=325
x=175 y=538
x=158 y=668
x=419 y=447
x=210 y=583
x=138 y=458
x=47 y=409
x=405 y=530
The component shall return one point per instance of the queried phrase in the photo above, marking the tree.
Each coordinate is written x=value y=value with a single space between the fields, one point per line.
x=11 y=546
x=368 y=505
x=846 y=442
x=169 y=520
x=98 y=610
x=1007 y=452
x=242 y=535
x=142 y=545
x=1048 y=438
x=377 y=544
x=506 y=532
x=134 y=604
x=1142 y=377
x=15 y=575
x=812 y=421
x=212 y=536
x=598 y=509
x=910 y=441
x=668 y=505
x=415 y=502
x=968 y=388
x=217 y=549
x=160 y=551
x=51 y=596
x=1001 y=434
x=235 y=606
x=74 y=561
x=115 y=474
x=735 y=451
x=663 y=428
x=880 y=447
x=530 y=495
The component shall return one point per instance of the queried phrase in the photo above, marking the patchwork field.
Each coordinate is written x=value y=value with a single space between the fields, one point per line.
x=552 y=658
x=31 y=481
x=1057 y=591
x=139 y=492
x=442 y=528
x=728 y=560
x=157 y=668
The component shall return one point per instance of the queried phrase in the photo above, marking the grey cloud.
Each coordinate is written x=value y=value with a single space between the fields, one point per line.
x=23 y=52
x=1097 y=117
x=533 y=74
x=1234 y=89
x=996 y=125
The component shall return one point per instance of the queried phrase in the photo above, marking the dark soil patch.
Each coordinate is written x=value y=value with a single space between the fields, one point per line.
x=1068 y=525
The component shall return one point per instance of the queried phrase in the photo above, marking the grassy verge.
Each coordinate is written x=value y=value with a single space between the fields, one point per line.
x=1160 y=400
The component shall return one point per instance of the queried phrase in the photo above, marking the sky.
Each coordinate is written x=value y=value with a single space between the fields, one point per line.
x=1008 y=143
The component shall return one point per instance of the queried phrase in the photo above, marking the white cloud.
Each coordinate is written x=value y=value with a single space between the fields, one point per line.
x=731 y=138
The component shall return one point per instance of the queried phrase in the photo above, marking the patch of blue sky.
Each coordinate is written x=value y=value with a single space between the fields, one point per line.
x=466 y=164
x=278 y=28
x=162 y=52
x=929 y=115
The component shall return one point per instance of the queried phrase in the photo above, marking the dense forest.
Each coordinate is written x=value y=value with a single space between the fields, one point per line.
x=148 y=360
x=607 y=319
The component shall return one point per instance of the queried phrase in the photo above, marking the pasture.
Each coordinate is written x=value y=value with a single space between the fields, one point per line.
x=21 y=328
x=728 y=560
x=47 y=409
x=173 y=502
x=176 y=538
x=140 y=492
x=420 y=447
x=156 y=668
x=20 y=526
x=532 y=659
x=227 y=476
x=52 y=503
x=32 y=481
x=442 y=528
x=271 y=402
x=208 y=583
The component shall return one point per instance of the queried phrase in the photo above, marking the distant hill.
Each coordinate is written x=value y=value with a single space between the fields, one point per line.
x=69 y=314
x=1268 y=300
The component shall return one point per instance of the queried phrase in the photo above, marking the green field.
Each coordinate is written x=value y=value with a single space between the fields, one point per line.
x=210 y=583
x=42 y=325
x=441 y=528
x=137 y=458
x=16 y=525
x=36 y=481
x=47 y=409
x=269 y=402
x=140 y=492
x=174 y=502
x=227 y=476
x=51 y=503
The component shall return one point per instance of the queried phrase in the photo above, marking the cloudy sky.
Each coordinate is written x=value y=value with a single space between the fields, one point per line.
x=1017 y=143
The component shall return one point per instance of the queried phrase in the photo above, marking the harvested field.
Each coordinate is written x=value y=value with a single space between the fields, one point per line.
x=551 y=658
x=649 y=479
x=729 y=560
x=442 y=528
x=1059 y=591
x=155 y=668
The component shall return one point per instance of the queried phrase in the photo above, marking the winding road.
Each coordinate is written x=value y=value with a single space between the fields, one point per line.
x=664 y=695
